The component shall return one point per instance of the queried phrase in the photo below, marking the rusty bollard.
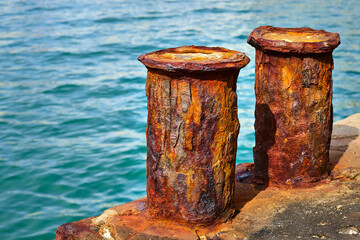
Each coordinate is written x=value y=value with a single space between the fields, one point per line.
x=192 y=132
x=293 y=113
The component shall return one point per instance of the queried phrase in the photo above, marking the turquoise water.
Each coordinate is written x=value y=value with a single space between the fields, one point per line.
x=72 y=100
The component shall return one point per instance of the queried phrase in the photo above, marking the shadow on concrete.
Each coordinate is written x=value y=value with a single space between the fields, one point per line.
x=246 y=188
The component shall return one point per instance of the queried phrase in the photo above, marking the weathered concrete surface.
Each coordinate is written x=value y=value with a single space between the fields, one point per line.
x=327 y=210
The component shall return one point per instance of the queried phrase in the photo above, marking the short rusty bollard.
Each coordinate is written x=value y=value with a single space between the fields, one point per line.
x=293 y=113
x=192 y=132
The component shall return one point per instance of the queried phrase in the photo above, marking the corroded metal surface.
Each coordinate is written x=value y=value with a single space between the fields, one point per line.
x=195 y=59
x=293 y=113
x=192 y=132
x=293 y=40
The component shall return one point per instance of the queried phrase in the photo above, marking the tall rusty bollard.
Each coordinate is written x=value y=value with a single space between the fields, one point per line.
x=293 y=113
x=192 y=132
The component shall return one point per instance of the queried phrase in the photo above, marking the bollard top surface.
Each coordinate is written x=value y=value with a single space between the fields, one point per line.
x=293 y=40
x=195 y=58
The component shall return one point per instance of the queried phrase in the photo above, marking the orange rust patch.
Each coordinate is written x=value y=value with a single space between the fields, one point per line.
x=192 y=132
x=195 y=58
x=293 y=40
x=293 y=113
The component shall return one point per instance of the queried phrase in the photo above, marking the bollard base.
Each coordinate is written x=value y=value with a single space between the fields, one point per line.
x=328 y=210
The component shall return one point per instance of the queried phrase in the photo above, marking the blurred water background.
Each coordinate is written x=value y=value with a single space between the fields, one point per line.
x=72 y=100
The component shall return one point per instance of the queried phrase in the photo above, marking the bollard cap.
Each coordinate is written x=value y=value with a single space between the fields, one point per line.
x=293 y=40
x=195 y=58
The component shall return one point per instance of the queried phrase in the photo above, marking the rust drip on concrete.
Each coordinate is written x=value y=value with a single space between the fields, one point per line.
x=293 y=113
x=192 y=132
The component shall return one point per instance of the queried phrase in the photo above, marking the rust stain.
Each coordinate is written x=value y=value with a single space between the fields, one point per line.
x=293 y=40
x=293 y=113
x=192 y=132
x=82 y=229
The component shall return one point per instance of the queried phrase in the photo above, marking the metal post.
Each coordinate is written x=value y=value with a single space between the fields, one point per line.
x=192 y=132
x=293 y=115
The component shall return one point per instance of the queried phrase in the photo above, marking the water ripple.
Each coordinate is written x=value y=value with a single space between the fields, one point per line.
x=72 y=100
